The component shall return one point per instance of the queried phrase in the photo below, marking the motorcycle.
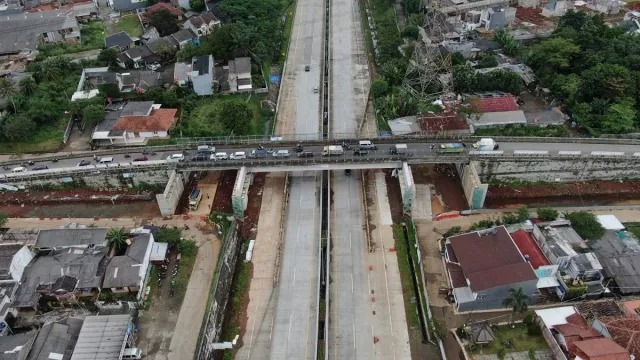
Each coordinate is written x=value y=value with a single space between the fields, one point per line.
x=346 y=146
x=54 y=160
x=127 y=155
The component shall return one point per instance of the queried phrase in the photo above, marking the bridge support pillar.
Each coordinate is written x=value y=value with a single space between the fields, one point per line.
x=168 y=200
x=407 y=187
x=474 y=189
x=240 y=195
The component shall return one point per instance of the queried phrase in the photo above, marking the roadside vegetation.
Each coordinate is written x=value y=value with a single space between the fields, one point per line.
x=92 y=38
x=130 y=24
x=239 y=291
x=524 y=130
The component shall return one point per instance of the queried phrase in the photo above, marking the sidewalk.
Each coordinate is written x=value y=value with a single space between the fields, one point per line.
x=256 y=339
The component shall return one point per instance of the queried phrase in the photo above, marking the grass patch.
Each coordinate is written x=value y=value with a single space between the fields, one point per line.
x=525 y=130
x=199 y=122
x=634 y=228
x=184 y=274
x=290 y=13
x=48 y=138
x=239 y=291
x=521 y=340
x=92 y=37
x=408 y=290
x=130 y=24
x=366 y=29
x=161 y=142
x=413 y=251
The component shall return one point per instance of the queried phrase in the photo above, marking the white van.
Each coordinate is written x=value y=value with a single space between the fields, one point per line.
x=220 y=156
x=206 y=149
x=19 y=169
x=239 y=155
x=175 y=158
x=281 y=154
x=132 y=354
x=106 y=160
x=366 y=145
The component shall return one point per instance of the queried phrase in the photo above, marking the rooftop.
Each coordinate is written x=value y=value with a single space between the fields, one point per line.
x=56 y=340
x=158 y=120
x=240 y=65
x=602 y=348
x=561 y=238
x=54 y=238
x=23 y=31
x=201 y=64
x=528 y=247
x=498 y=118
x=19 y=236
x=625 y=331
x=493 y=104
x=16 y=347
x=591 y=310
x=124 y=270
x=6 y=257
x=164 y=6
x=610 y=222
x=435 y=123
x=490 y=259
x=184 y=35
x=121 y=39
x=102 y=337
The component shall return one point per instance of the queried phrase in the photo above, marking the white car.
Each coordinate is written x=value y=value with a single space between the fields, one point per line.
x=175 y=158
x=219 y=156
x=281 y=154
x=154 y=66
x=19 y=169
x=239 y=155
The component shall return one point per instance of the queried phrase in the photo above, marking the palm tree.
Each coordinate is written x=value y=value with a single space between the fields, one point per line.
x=518 y=301
x=7 y=90
x=27 y=85
x=117 y=237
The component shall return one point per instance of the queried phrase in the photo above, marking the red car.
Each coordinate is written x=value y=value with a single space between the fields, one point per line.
x=142 y=158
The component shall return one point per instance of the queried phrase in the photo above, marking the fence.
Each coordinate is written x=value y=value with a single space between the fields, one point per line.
x=67 y=131
x=212 y=323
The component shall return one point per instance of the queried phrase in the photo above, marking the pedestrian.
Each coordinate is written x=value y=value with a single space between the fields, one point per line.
x=208 y=197
x=209 y=206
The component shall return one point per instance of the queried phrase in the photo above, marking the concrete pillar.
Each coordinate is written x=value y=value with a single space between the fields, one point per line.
x=168 y=200
x=474 y=190
x=240 y=195
x=407 y=187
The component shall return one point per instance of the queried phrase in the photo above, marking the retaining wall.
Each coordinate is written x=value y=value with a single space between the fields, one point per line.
x=100 y=181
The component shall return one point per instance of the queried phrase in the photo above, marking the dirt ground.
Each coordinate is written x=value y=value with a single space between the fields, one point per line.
x=73 y=196
x=140 y=209
x=444 y=180
x=569 y=194
x=222 y=200
x=395 y=197
x=249 y=227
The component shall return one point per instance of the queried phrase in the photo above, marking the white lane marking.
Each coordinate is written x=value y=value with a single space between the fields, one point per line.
x=294 y=277
x=354 y=335
x=289 y=333
x=352 y=283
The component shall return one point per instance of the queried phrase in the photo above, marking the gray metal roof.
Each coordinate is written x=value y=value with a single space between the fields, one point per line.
x=240 y=65
x=54 y=238
x=616 y=242
x=137 y=108
x=184 y=35
x=23 y=31
x=102 y=337
x=625 y=270
x=124 y=270
x=16 y=347
x=139 y=52
x=121 y=39
x=19 y=236
x=6 y=257
x=561 y=239
x=201 y=64
x=56 y=340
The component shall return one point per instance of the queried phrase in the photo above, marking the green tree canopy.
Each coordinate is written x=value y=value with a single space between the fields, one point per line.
x=18 y=127
x=379 y=88
x=27 y=85
x=196 y=5
x=547 y=214
x=3 y=219
x=108 y=57
x=164 y=22
x=92 y=115
x=117 y=237
x=586 y=225
x=619 y=119
x=518 y=301
x=236 y=117
x=411 y=32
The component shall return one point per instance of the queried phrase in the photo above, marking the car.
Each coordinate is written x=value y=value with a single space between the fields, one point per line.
x=19 y=169
x=238 y=155
x=305 y=154
x=153 y=66
x=358 y=152
x=307 y=68
x=366 y=145
x=200 y=157
x=175 y=158
x=84 y=163
x=281 y=154
x=315 y=90
x=347 y=172
x=40 y=167
x=258 y=154
x=141 y=158
x=219 y=156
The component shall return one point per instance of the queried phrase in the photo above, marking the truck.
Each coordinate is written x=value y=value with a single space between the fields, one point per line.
x=486 y=144
x=194 y=199
x=399 y=149
x=332 y=150
x=451 y=148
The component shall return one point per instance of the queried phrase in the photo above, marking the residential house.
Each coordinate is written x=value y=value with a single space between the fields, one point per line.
x=163 y=45
x=90 y=79
x=80 y=238
x=85 y=12
x=492 y=18
x=239 y=74
x=56 y=340
x=27 y=31
x=609 y=7
x=65 y=274
x=556 y=8
x=559 y=243
x=124 y=5
x=184 y=37
x=142 y=80
x=104 y=337
x=120 y=40
x=202 y=24
x=619 y=253
x=138 y=57
x=198 y=73
x=134 y=123
x=570 y=336
x=431 y=124
x=623 y=330
x=483 y=266
x=495 y=110
x=178 y=14
x=150 y=35
x=129 y=273
x=14 y=258
x=16 y=347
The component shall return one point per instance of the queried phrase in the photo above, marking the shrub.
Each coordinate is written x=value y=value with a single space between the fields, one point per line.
x=547 y=214
x=508 y=219
x=379 y=88
x=501 y=353
x=461 y=332
x=523 y=214
x=533 y=329
x=188 y=248
x=586 y=225
x=411 y=32
x=528 y=319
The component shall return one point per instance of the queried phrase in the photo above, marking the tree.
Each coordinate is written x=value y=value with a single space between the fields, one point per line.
x=27 y=85
x=92 y=115
x=379 y=88
x=235 y=116
x=8 y=90
x=164 y=22
x=108 y=57
x=18 y=127
x=190 y=51
x=166 y=52
x=464 y=78
x=607 y=81
x=168 y=235
x=518 y=301
x=547 y=214
x=196 y=5
x=523 y=214
x=619 y=119
x=553 y=55
x=3 y=219
x=487 y=62
x=117 y=237
x=411 y=32
x=586 y=225
x=188 y=247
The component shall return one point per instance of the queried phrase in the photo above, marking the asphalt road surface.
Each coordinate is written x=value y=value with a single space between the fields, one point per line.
x=295 y=325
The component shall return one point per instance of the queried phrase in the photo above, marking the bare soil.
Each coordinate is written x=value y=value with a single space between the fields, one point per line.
x=395 y=197
x=444 y=179
x=140 y=209
x=249 y=227
x=222 y=199
x=73 y=196
x=589 y=193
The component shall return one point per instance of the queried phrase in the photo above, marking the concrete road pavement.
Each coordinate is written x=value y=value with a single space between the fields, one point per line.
x=295 y=325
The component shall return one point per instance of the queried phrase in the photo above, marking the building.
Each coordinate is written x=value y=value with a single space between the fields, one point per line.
x=494 y=110
x=29 y=30
x=55 y=239
x=202 y=24
x=492 y=18
x=623 y=330
x=85 y=12
x=239 y=74
x=134 y=123
x=65 y=274
x=443 y=123
x=56 y=340
x=137 y=57
x=122 y=41
x=16 y=347
x=104 y=337
x=142 y=80
x=129 y=273
x=619 y=253
x=483 y=266
x=123 y=5
x=177 y=13
x=497 y=119
x=201 y=76
x=184 y=37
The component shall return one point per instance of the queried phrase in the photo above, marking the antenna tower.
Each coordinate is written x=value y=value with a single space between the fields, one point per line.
x=429 y=72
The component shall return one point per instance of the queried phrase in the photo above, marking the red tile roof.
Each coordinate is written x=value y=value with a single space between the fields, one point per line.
x=576 y=329
x=493 y=104
x=600 y=349
x=625 y=331
x=158 y=120
x=491 y=259
x=524 y=241
x=434 y=123
x=164 y=6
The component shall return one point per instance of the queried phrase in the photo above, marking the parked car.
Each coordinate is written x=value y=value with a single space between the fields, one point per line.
x=305 y=154
x=141 y=158
x=219 y=156
x=358 y=152
x=84 y=163
x=200 y=157
x=153 y=66
x=284 y=153
x=19 y=169
x=347 y=172
x=239 y=155
x=175 y=158
x=40 y=167
x=307 y=68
